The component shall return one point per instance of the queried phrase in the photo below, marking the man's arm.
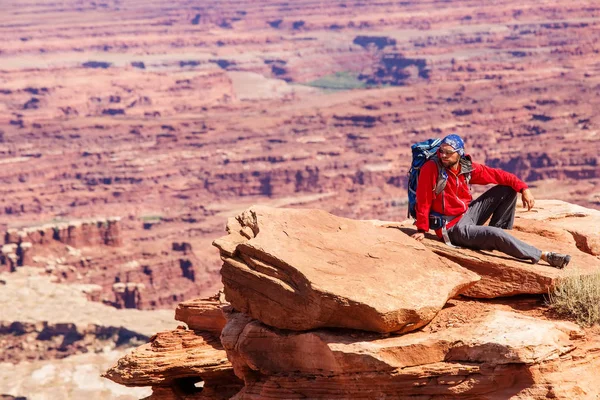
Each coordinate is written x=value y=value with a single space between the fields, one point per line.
x=427 y=180
x=484 y=175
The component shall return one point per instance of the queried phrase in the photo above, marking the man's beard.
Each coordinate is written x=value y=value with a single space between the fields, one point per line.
x=450 y=165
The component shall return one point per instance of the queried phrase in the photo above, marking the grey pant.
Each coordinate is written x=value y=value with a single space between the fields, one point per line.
x=498 y=203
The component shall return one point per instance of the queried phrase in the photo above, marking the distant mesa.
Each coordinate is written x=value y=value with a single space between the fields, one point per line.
x=19 y=242
x=196 y=20
x=97 y=64
x=138 y=64
x=298 y=24
x=378 y=41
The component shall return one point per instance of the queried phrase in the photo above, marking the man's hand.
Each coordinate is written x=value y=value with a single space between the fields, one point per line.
x=528 y=200
x=418 y=236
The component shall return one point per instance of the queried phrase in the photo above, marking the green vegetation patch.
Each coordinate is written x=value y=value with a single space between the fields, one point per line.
x=344 y=80
x=151 y=218
x=577 y=297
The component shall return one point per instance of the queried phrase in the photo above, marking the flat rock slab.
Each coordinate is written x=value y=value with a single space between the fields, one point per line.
x=305 y=269
x=493 y=352
x=583 y=223
x=503 y=275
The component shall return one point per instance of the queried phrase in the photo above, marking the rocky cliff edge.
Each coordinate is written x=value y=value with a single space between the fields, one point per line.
x=321 y=307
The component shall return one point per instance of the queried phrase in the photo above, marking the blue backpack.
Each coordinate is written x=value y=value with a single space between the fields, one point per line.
x=421 y=153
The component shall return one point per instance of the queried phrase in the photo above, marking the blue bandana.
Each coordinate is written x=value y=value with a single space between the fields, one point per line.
x=456 y=142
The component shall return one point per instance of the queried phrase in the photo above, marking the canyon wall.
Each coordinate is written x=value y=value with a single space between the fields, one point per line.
x=180 y=115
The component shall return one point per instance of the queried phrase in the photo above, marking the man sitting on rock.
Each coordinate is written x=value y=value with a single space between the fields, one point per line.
x=463 y=216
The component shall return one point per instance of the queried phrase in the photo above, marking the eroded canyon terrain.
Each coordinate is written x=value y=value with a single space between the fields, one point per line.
x=130 y=130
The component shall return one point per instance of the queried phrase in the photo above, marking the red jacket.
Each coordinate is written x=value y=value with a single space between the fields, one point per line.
x=457 y=194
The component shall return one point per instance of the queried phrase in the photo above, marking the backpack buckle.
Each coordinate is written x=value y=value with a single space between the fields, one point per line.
x=436 y=221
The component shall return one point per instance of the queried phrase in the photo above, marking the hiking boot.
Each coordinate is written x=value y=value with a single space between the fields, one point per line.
x=558 y=260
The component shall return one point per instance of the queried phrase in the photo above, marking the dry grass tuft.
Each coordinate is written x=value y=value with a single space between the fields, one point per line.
x=577 y=297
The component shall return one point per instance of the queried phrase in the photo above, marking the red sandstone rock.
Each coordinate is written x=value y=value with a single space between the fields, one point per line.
x=203 y=314
x=582 y=223
x=175 y=362
x=498 y=354
x=502 y=275
x=303 y=269
x=470 y=349
x=497 y=337
x=172 y=356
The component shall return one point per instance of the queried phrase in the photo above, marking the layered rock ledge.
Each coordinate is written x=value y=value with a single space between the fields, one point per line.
x=184 y=362
x=496 y=355
x=268 y=336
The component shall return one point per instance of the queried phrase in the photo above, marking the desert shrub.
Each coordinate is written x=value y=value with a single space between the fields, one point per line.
x=577 y=297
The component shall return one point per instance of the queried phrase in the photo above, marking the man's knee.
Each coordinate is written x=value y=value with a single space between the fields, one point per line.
x=505 y=191
x=506 y=195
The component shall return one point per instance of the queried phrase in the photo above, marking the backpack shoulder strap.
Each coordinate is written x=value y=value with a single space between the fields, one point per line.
x=442 y=178
x=466 y=167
